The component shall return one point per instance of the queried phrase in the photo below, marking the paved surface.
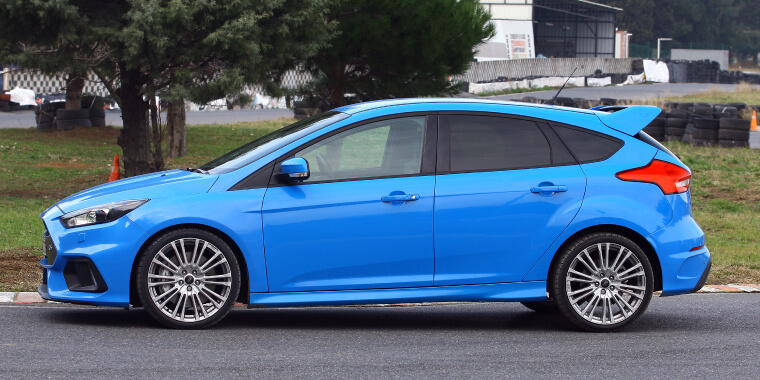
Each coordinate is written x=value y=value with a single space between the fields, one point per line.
x=643 y=91
x=693 y=336
x=25 y=119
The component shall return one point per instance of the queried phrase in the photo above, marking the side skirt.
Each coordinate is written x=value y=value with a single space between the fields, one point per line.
x=513 y=291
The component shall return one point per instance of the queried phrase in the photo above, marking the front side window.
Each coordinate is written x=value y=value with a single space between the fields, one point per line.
x=379 y=149
x=487 y=143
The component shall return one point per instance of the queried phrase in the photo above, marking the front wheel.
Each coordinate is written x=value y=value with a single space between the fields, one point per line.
x=603 y=282
x=188 y=278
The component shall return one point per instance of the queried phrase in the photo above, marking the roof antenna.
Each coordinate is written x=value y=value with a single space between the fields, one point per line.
x=551 y=102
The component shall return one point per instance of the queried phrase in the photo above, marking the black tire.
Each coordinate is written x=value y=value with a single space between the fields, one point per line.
x=657 y=133
x=67 y=125
x=544 y=307
x=98 y=122
x=730 y=134
x=44 y=117
x=676 y=123
x=605 y=288
x=705 y=134
x=676 y=132
x=675 y=115
x=735 y=124
x=64 y=114
x=709 y=124
x=658 y=122
x=98 y=113
x=733 y=144
x=164 y=244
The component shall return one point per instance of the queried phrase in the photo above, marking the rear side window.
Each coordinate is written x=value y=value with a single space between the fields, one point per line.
x=483 y=143
x=588 y=146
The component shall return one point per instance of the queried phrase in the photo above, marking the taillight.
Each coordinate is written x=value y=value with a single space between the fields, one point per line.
x=670 y=178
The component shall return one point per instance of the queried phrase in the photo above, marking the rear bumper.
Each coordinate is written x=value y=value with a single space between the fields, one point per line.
x=703 y=279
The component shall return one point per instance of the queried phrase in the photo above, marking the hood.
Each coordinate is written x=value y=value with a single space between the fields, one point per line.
x=148 y=186
x=629 y=120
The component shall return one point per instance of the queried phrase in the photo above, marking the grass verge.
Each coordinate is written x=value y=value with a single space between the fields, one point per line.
x=38 y=169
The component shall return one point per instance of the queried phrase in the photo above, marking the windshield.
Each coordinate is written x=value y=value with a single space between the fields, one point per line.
x=266 y=144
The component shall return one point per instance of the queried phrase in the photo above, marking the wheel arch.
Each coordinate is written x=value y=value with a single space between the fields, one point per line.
x=641 y=241
x=243 y=295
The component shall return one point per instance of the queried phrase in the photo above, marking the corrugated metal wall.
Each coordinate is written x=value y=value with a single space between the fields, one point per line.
x=541 y=67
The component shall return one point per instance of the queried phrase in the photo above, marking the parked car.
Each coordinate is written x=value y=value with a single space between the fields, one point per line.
x=413 y=200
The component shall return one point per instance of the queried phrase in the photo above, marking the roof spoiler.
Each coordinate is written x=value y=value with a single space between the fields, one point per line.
x=627 y=119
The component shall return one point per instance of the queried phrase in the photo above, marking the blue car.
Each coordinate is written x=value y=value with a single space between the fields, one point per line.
x=414 y=200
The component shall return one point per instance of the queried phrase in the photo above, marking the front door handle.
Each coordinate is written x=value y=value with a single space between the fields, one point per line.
x=548 y=189
x=400 y=198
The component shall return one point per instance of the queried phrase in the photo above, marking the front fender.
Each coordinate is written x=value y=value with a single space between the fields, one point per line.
x=235 y=213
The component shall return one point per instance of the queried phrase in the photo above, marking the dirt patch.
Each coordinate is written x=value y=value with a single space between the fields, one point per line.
x=20 y=270
x=59 y=165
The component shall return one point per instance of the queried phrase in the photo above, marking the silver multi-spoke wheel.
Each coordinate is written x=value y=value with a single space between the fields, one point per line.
x=189 y=280
x=603 y=282
x=606 y=283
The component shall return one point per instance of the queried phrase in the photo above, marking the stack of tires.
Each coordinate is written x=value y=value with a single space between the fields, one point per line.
x=70 y=119
x=733 y=133
x=705 y=132
x=302 y=110
x=45 y=115
x=656 y=128
x=675 y=128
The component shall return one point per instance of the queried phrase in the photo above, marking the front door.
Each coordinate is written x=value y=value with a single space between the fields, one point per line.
x=364 y=218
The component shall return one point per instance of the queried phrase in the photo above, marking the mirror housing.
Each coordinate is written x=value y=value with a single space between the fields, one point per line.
x=295 y=169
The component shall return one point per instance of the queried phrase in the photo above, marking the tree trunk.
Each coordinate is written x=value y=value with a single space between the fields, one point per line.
x=336 y=76
x=74 y=88
x=158 y=154
x=175 y=130
x=135 y=136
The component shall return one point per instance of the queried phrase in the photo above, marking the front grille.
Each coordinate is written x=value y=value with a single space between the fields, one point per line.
x=49 y=248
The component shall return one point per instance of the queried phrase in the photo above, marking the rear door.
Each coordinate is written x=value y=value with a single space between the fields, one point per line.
x=506 y=187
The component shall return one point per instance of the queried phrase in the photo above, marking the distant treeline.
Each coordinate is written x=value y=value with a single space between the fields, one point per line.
x=733 y=24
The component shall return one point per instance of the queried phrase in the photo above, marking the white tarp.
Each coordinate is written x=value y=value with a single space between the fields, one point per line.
x=23 y=97
x=656 y=71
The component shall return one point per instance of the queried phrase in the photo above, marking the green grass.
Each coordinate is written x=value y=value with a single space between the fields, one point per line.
x=742 y=93
x=37 y=169
x=726 y=204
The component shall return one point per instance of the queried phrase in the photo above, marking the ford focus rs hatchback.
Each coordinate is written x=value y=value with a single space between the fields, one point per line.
x=414 y=200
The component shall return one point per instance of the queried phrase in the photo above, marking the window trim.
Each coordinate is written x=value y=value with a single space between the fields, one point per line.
x=428 y=150
x=444 y=142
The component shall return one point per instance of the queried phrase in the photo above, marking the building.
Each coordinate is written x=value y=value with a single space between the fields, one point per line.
x=549 y=28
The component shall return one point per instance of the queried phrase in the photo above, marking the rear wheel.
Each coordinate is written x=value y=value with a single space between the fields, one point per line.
x=603 y=282
x=188 y=278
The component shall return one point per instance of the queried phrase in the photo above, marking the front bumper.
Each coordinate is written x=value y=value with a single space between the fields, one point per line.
x=89 y=262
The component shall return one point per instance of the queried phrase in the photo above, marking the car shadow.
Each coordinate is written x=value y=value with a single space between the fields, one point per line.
x=476 y=316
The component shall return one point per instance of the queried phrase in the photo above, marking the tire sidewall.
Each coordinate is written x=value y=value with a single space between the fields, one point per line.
x=146 y=259
x=559 y=276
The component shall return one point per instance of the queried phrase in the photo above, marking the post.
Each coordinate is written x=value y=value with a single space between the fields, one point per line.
x=658 y=45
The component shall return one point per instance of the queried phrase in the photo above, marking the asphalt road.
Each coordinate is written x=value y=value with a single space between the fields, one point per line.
x=25 y=119
x=714 y=336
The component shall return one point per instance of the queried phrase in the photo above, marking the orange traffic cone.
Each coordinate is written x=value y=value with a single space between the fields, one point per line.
x=753 y=125
x=115 y=176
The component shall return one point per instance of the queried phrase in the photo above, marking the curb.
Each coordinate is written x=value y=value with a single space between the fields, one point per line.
x=34 y=297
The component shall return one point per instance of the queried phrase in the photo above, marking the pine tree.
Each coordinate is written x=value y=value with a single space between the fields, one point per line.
x=198 y=50
x=396 y=48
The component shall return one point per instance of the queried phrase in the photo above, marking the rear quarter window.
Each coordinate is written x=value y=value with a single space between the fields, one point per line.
x=587 y=146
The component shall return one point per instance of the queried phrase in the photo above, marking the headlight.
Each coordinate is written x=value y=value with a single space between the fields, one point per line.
x=100 y=214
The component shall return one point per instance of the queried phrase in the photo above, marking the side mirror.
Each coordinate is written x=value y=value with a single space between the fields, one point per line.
x=296 y=168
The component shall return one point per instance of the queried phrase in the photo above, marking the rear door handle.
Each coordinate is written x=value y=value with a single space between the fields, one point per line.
x=548 y=189
x=400 y=198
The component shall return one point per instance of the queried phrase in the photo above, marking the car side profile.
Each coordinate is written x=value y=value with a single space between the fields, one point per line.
x=410 y=200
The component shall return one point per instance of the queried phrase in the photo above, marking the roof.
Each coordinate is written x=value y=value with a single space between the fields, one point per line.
x=366 y=106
